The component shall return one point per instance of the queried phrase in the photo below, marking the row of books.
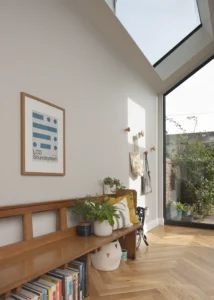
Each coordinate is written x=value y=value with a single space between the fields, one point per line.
x=58 y=284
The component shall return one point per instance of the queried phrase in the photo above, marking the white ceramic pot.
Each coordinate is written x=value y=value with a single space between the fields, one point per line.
x=102 y=228
x=107 y=189
x=108 y=258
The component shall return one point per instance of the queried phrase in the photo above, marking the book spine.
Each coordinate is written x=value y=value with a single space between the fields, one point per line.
x=18 y=297
x=49 y=290
x=39 y=294
x=57 y=292
x=50 y=296
x=80 y=282
x=54 y=294
x=84 y=280
x=66 y=295
x=23 y=294
x=36 y=285
x=70 y=288
x=73 y=265
x=74 y=288
x=76 y=285
x=60 y=291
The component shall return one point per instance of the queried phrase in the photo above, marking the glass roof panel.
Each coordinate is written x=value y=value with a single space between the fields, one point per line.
x=157 y=26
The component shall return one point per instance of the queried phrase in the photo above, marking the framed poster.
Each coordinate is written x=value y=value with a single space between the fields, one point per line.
x=42 y=137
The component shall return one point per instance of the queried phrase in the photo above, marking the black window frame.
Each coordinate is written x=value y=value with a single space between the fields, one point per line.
x=173 y=222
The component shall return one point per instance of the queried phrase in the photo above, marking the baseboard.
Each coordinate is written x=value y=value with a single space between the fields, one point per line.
x=152 y=224
x=161 y=221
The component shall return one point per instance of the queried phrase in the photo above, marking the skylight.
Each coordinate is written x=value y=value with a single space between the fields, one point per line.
x=158 y=26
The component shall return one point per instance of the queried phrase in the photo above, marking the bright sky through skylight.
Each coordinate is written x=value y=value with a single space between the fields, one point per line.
x=157 y=26
x=194 y=97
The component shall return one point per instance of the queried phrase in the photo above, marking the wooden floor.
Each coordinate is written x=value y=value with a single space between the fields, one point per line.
x=178 y=264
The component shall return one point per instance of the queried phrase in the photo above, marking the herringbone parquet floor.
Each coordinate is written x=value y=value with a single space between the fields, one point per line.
x=178 y=264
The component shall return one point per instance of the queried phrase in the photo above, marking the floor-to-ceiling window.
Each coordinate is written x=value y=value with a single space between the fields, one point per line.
x=189 y=150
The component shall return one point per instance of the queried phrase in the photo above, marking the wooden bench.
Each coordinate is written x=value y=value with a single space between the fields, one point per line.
x=32 y=257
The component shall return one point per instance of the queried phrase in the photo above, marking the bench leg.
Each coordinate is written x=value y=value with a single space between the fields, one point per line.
x=128 y=242
x=4 y=296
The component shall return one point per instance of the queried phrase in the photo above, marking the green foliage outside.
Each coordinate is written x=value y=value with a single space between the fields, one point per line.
x=179 y=206
x=193 y=168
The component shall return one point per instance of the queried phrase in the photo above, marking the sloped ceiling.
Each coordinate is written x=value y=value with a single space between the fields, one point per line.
x=167 y=74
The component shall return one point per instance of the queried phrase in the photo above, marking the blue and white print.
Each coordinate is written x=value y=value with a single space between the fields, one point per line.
x=44 y=137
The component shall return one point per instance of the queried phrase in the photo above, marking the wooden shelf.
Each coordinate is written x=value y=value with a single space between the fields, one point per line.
x=20 y=268
x=32 y=257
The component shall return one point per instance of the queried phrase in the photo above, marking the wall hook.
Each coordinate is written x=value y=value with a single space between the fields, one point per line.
x=127 y=129
x=141 y=133
x=153 y=148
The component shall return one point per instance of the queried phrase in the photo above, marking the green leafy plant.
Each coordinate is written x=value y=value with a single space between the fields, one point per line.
x=179 y=206
x=170 y=204
x=119 y=184
x=91 y=210
x=83 y=208
x=188 y=209
x=192 y=165
x=108 y=181
x=101 y=211
x=113 y=181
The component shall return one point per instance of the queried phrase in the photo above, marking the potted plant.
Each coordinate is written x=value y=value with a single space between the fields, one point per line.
x=187 y=210
x=187 y=213
x=119 y=184
x=83 y=209
x=111 y=185
x=169 y=210
x=180 y=208
x=103 y=215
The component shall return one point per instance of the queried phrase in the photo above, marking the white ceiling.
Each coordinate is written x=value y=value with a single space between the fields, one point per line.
x=174 y=68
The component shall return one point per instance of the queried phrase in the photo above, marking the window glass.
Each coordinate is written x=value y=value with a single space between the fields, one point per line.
x=157 y=26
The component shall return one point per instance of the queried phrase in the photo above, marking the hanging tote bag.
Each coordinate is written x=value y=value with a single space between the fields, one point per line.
x=136 y=164
x=135 y=159
x=146 y=179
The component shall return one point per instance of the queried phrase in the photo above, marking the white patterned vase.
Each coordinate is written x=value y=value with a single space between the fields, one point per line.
x=107 y=189
x=108 y=258
x=102 y=228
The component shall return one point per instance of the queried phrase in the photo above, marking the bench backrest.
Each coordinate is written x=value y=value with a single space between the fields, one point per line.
x=26 y=211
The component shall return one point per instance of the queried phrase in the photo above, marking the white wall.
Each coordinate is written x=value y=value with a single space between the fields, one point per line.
x=48 y=50
x=110 y=3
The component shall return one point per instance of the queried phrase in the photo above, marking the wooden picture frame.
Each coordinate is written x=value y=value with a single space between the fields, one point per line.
x=42 y=137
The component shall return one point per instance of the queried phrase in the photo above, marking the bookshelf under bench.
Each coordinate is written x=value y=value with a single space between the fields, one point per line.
x=24 y=261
